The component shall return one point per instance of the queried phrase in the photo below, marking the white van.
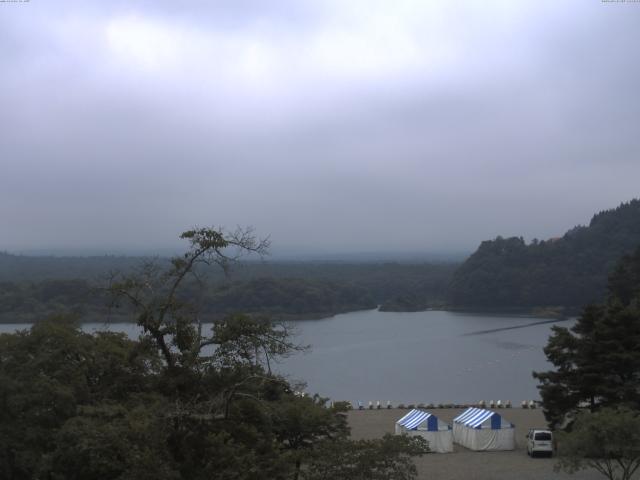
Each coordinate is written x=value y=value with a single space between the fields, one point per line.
x=539 y=442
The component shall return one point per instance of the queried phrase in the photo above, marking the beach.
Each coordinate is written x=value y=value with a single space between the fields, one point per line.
x=465 y=464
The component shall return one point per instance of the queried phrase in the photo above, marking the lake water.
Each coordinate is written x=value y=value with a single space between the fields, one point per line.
x=433 y=356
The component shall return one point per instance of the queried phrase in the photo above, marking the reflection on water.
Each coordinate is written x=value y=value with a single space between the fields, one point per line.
x=439 y=357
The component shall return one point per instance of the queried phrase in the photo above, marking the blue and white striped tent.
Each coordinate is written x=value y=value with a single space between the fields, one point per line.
x=480 y=429
x=428 y=426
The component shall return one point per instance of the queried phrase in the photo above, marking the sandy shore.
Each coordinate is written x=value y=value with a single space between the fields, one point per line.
x=465 y=464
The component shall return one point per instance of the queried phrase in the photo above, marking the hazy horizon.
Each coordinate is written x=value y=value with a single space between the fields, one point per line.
x=277 y=252
x=284 y=254
x=335 y=128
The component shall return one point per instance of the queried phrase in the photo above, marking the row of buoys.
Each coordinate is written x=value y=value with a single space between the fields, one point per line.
x=378 y=405
x=496 y=404
x=531 y=404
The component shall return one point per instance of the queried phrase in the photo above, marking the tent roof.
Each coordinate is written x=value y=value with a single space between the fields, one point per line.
x=474 y=417
x=414 y=418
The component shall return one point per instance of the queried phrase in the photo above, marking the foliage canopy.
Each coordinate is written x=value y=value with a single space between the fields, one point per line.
x=607 y=441
x=597 y=361
x=179 y=402
x=570 y=271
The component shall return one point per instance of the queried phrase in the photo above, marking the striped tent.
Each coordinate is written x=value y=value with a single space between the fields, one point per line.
x=428 y=426
x=480 y=429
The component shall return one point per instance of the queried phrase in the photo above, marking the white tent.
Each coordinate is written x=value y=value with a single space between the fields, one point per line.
x=479 y=429
x=426 y=425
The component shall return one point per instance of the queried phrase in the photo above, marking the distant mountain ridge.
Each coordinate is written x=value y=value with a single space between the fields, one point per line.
x=569 y=271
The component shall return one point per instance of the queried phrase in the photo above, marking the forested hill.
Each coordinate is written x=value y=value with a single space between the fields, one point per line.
x=31 y=288
x=18 y=268
x=570 y=271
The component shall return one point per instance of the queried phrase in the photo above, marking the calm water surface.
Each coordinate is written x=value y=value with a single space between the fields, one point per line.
x=412 y=357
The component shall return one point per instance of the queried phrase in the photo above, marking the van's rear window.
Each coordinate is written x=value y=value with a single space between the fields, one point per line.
x=542 y=436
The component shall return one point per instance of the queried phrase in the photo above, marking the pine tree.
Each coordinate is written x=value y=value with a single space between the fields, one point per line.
x=597 y=361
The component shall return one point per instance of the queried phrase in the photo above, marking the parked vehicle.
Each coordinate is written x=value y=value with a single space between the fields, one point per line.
x=539 y=442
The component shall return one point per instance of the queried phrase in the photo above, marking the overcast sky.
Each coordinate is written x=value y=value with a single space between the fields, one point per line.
x=333 y=126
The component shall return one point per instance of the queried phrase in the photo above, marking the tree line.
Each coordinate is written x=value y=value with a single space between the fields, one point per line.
x=593 y=392
x=180 y=402
x=570 y=271
x=284 y=298
x=505 y=273
x=283 y=290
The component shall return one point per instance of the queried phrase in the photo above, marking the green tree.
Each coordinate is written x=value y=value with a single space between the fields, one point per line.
x=390 y=457
x=50 y=374
x=113 y=441
x=607 y=441
x=597 y=361
x=301 y=422
x=178 y=403
x=567 y=272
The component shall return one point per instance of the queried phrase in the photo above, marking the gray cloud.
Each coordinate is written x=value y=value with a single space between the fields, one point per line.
x=331 y=126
